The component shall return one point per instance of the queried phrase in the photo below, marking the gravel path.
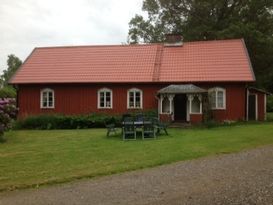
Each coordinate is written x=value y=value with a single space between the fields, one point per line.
x=242 y=178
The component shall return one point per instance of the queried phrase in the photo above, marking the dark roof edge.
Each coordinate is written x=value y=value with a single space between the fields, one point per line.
x=260 y=90
x=133 y=82
x=248 y=58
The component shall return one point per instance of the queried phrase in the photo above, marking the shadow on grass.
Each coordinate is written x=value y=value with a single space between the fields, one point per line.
x=2 y=139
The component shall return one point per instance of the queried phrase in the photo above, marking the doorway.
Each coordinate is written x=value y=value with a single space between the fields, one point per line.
x=180 y=107
x=252 y=107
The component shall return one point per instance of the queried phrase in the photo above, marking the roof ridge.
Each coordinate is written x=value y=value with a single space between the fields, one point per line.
x=103 y=45
x=134 y=45
x=157 y=65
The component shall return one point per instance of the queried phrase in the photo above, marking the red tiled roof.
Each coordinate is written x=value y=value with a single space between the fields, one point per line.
x=224 y=60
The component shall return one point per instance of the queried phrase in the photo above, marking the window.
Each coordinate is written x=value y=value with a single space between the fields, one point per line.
x=105 y=98
x=134 y=98
x=47 y=98
x=217 y=98
x=166 y=105
x=195 y=105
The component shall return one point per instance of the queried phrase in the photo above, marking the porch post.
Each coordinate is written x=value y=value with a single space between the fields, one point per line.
x=160 y=104
x=190 y=98
x=170 y=97
x=200 y=100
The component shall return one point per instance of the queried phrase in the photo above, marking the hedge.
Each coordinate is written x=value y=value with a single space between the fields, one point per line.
x=71 y=121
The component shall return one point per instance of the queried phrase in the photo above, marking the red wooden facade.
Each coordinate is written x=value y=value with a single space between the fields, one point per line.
x=74 y=99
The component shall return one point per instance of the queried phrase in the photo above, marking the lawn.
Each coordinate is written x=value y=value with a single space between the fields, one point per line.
x=32 y=158
x=269 y=116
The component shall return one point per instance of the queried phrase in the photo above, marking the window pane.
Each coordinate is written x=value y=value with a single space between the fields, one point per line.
x=195 y=105
x=131 y=104
x=50 y=104
x=166 y=105
x=213 y=99
x=137 y=104
x=44 y=94
x=220 y=99
x=44 y=104
x=108 y=99
x=50 y=99
x=131 y=100
x=108 y=94
x=44 y=99
x=137 y=100
x=101 y=99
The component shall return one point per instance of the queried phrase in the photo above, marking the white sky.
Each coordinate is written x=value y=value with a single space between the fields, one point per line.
x=25 y=24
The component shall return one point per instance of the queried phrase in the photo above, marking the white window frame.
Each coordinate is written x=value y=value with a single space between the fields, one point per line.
x=216 y=90
x=162 y=112
x=190 y=99
x=104 y=90
x=47 y=90
x=134 y=90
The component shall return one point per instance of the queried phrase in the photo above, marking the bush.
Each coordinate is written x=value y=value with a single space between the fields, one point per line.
x=269 y=116
x=7 y=92
x=94 y=120
x=66 y=121
x=269 y=105
x=8 y=113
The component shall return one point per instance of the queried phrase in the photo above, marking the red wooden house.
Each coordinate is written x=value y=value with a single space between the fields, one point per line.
x=171 y=77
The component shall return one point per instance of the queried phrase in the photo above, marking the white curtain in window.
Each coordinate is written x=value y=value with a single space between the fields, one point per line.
x=195 y=105
x=165 y=105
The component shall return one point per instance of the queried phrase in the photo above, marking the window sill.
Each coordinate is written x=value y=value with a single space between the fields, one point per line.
x=105 y=108
x=47 y=108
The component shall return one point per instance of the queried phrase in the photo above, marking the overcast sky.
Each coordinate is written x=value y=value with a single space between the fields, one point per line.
x=25 y=24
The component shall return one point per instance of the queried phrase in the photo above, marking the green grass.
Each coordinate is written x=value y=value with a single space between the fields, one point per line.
x=32 y=158
x=269 y=116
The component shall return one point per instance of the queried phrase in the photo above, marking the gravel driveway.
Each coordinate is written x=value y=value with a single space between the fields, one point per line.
x=242 y=178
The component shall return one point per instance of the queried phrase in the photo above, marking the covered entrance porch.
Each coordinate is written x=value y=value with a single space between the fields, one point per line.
x=181 y=103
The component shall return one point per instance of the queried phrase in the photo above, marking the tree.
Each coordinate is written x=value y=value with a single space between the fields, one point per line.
x=211 y=20
x=13 y=63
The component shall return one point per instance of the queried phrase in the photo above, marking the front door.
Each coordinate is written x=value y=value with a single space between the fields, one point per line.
x=180 y=107
x=252 y=107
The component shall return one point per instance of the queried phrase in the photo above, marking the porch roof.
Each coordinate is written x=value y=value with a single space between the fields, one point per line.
x=180 y=89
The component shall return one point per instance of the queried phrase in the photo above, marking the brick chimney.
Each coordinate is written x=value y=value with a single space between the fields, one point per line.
x=173 y=40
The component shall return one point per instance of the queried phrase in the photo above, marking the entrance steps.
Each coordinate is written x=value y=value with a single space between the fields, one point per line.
x=180 y=125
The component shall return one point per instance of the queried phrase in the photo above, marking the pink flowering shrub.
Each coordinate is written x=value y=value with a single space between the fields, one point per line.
x=8 y=113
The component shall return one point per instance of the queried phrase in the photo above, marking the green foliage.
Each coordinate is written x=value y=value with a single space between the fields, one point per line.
x=207 y=112
x=47 y=122
x=269 y=105
x=94 y=120
x=13 y=63
x=269 y=116
x=148 y=113
x=7 y=92
x=210 y=20
x=8 y=113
